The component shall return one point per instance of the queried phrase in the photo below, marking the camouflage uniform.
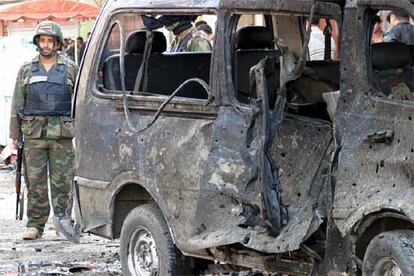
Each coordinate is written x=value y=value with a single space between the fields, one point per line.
x=190 y=40
x=395 y=83
x=48 y=148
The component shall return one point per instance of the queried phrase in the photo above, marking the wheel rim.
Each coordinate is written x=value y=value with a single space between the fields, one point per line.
x=142 y=253
x=387 y=267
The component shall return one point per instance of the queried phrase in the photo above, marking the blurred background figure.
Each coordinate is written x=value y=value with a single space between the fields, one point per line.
x=199 y=22
x=79 y=46
x=317 y=42
x=206 y=31
x=82 y=49
x=70 y=50
x=401 y=29
x=65 y=44
x=187 y=38
x=377 y=32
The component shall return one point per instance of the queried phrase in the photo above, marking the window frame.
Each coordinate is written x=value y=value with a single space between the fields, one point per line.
x=149 y=102
x=235 y=17
x=368 y=11
x=232 y=43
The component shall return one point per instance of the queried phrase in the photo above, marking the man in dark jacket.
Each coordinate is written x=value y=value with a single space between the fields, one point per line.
x=402 y=30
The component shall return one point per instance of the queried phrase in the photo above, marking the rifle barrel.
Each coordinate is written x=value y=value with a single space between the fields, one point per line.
x=19 y=162
x=17 y=206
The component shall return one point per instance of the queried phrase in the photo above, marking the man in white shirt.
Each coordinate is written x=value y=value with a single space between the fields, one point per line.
x=317 y=42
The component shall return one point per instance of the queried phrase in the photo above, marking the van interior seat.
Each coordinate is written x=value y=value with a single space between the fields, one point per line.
x=134 y=48
x=388 y=55
x=305 y=94
x=393 y=71
x=254 y=37
x=165 y=71
x=253 y=43
x=326 y=70
x=135 y=43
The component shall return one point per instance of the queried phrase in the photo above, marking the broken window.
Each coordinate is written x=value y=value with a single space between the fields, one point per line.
x=391 y=44
x=159 y=54
x=260 y=36
x=253 y=41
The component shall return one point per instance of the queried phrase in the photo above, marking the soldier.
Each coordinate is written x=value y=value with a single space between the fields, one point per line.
x=206 y=31
x=187 y=37
x=42 y=100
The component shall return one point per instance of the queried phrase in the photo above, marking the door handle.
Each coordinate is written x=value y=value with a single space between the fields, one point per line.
x=382 y=136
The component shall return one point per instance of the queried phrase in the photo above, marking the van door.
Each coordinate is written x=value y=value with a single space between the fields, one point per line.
x=248 y=166
x=375 y=125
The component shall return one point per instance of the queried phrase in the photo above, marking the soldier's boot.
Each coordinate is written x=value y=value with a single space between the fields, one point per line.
x=32 y=233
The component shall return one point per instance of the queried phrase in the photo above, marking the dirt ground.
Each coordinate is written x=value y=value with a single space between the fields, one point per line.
x=52 y=254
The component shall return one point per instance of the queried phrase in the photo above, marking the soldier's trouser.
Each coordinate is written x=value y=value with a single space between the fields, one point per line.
x=58 y=157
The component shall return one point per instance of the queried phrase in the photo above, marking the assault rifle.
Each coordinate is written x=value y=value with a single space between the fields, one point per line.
x=18 y=181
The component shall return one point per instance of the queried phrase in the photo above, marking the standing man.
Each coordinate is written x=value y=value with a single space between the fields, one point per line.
x=42 y=102
x=402 y=30
x=187 y=38
x=206 y=31
x=82 y=49
x=317 y=42
x=79 y=46
x=70 y=49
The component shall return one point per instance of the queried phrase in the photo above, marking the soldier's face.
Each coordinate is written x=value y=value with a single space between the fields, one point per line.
x=46 y=42
x=47 y=45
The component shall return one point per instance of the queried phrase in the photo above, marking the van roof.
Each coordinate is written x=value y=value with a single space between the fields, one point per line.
x=291 y=6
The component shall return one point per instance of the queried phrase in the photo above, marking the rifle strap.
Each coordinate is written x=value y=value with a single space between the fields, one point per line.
x=327 y=32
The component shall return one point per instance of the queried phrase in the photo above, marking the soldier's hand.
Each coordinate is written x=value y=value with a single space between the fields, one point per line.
x=14 y=143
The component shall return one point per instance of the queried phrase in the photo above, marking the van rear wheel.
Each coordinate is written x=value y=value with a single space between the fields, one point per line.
x=146 y=245
x=390 y=254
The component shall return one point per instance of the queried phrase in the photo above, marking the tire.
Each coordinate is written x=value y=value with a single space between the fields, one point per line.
x=146 y=245
x=390 y=254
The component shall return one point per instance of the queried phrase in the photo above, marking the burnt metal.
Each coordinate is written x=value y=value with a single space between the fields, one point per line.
x=296 y=264
x=245 y=183
x=291 y=6
x=381 y=136
x=362 y=226
x=270 y=184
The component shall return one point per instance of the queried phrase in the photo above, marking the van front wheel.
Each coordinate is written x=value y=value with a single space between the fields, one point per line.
x=390 y=254
x=146 y=245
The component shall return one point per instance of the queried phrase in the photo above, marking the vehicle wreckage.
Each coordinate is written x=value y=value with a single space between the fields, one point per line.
x=251 y=154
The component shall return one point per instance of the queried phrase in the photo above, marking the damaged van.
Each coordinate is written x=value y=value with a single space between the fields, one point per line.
x=251 y=155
